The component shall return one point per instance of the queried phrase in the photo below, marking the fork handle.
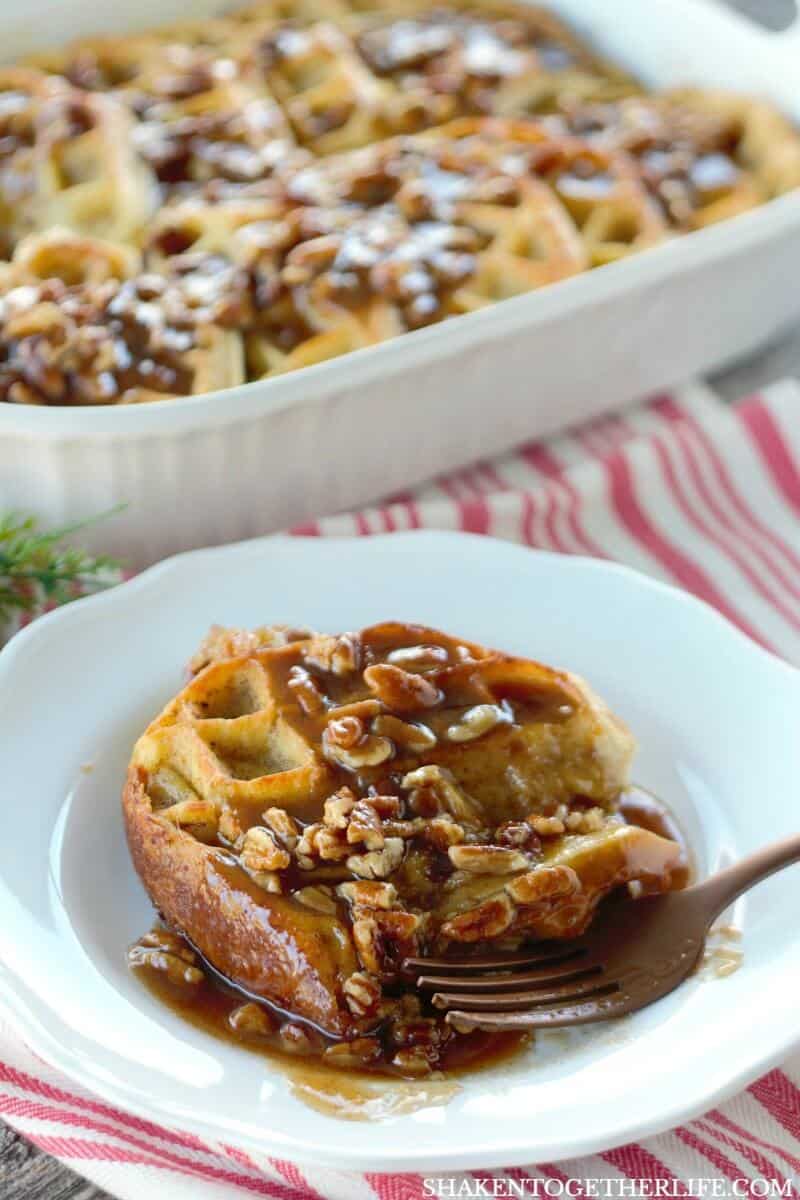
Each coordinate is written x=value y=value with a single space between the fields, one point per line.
x=726 y=886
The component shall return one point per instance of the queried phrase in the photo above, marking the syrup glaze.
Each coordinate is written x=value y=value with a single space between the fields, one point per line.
x=375 y=1093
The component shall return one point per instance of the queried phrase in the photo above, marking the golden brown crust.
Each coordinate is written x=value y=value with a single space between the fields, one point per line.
x=316 y=809
x=249 y=935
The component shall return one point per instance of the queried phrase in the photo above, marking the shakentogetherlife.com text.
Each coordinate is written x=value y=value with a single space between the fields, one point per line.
x=459 y=1188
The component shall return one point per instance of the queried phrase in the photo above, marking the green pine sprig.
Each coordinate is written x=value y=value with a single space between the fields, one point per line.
x=39 y=570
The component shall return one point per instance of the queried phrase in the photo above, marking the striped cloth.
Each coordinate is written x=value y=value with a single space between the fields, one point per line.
x=683 y=488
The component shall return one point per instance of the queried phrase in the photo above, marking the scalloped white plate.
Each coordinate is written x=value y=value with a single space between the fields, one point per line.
x=717 y=722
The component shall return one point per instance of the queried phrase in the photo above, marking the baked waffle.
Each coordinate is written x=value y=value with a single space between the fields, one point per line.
x=501 y=58
x=703 y=156
x=312 y=177
x=80 y=323
x=376 y=243
x=311 y=812
x=66 y=159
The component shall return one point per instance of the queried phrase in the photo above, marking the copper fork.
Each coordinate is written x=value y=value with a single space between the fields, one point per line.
x=644 y=951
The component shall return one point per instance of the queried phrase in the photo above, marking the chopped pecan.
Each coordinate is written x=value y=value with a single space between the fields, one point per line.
x=319 y=842
x=173 y=966
x=170 y=943
x=487 y=920
x=442 y=833
x=260 y=851
x=409 y=738
x=365 y=826
x=401 y=691
x=283 y=825
x=543 y=883
x=307 y=691
x=377 y=864
x=417 y=1060
x=434 y=790
x=519 y=835
x=298 y=1039
x=384 y=939
x=370 y=752
x=418 y=658
x=547 y=826
x=416 y=1031
x=362 y=993
x=252 y=1021
x=337 y=808
x=366 y=937
x=587 y=820
x=360 y=1052
x=487 y=860
x=477 y=721
x=368 y=893
x=346 y=732
x=339 y=655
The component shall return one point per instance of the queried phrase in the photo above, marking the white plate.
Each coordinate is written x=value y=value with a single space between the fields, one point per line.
x=716 y=718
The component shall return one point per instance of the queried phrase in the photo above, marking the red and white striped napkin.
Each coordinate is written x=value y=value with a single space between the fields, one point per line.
x=686 y=489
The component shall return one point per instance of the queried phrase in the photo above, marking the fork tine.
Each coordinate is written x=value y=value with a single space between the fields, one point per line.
x=564 y=970
x=602 y=1008
x=594 y=985
x=542 y=953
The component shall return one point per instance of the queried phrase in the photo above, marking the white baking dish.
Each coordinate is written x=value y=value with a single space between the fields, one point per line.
x=256 y=458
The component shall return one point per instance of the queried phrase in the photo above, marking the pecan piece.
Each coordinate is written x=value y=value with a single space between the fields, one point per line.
x=174 y=967
x=252 y=1021
x=360 y=1052
x=543 y=883
x=365 y=826
x=418 y=658
x=337 y=808
x=362 y=993
x=442 y=833
x=370 y=752
x=339 y=655
x=519 y=835
x=417 y=1060
x=297 y=1039
x=477 y=721
x=260 y=852
x=307 y=691
x=547 y=826
x=409 y=738
x=346 y=732
x=487 y=920
x=587 y=820
x=377 y=864
x=283 y=826
x=487 y=860
x=319 y=842
x=400 y=690
x=368 y=893
x=384 y=939
x=434 y=790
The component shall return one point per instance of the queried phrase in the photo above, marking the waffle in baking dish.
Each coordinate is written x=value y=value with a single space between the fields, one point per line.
x=303 y=178
x=312 y=809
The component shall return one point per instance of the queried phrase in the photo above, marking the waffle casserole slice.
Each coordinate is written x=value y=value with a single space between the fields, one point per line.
x=312 y=809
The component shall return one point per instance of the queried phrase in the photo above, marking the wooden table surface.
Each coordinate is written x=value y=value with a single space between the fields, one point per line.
x=26 y=1173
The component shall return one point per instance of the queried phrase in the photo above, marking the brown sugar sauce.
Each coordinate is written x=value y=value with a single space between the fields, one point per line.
x=371 y=1093
x=349 y=1093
